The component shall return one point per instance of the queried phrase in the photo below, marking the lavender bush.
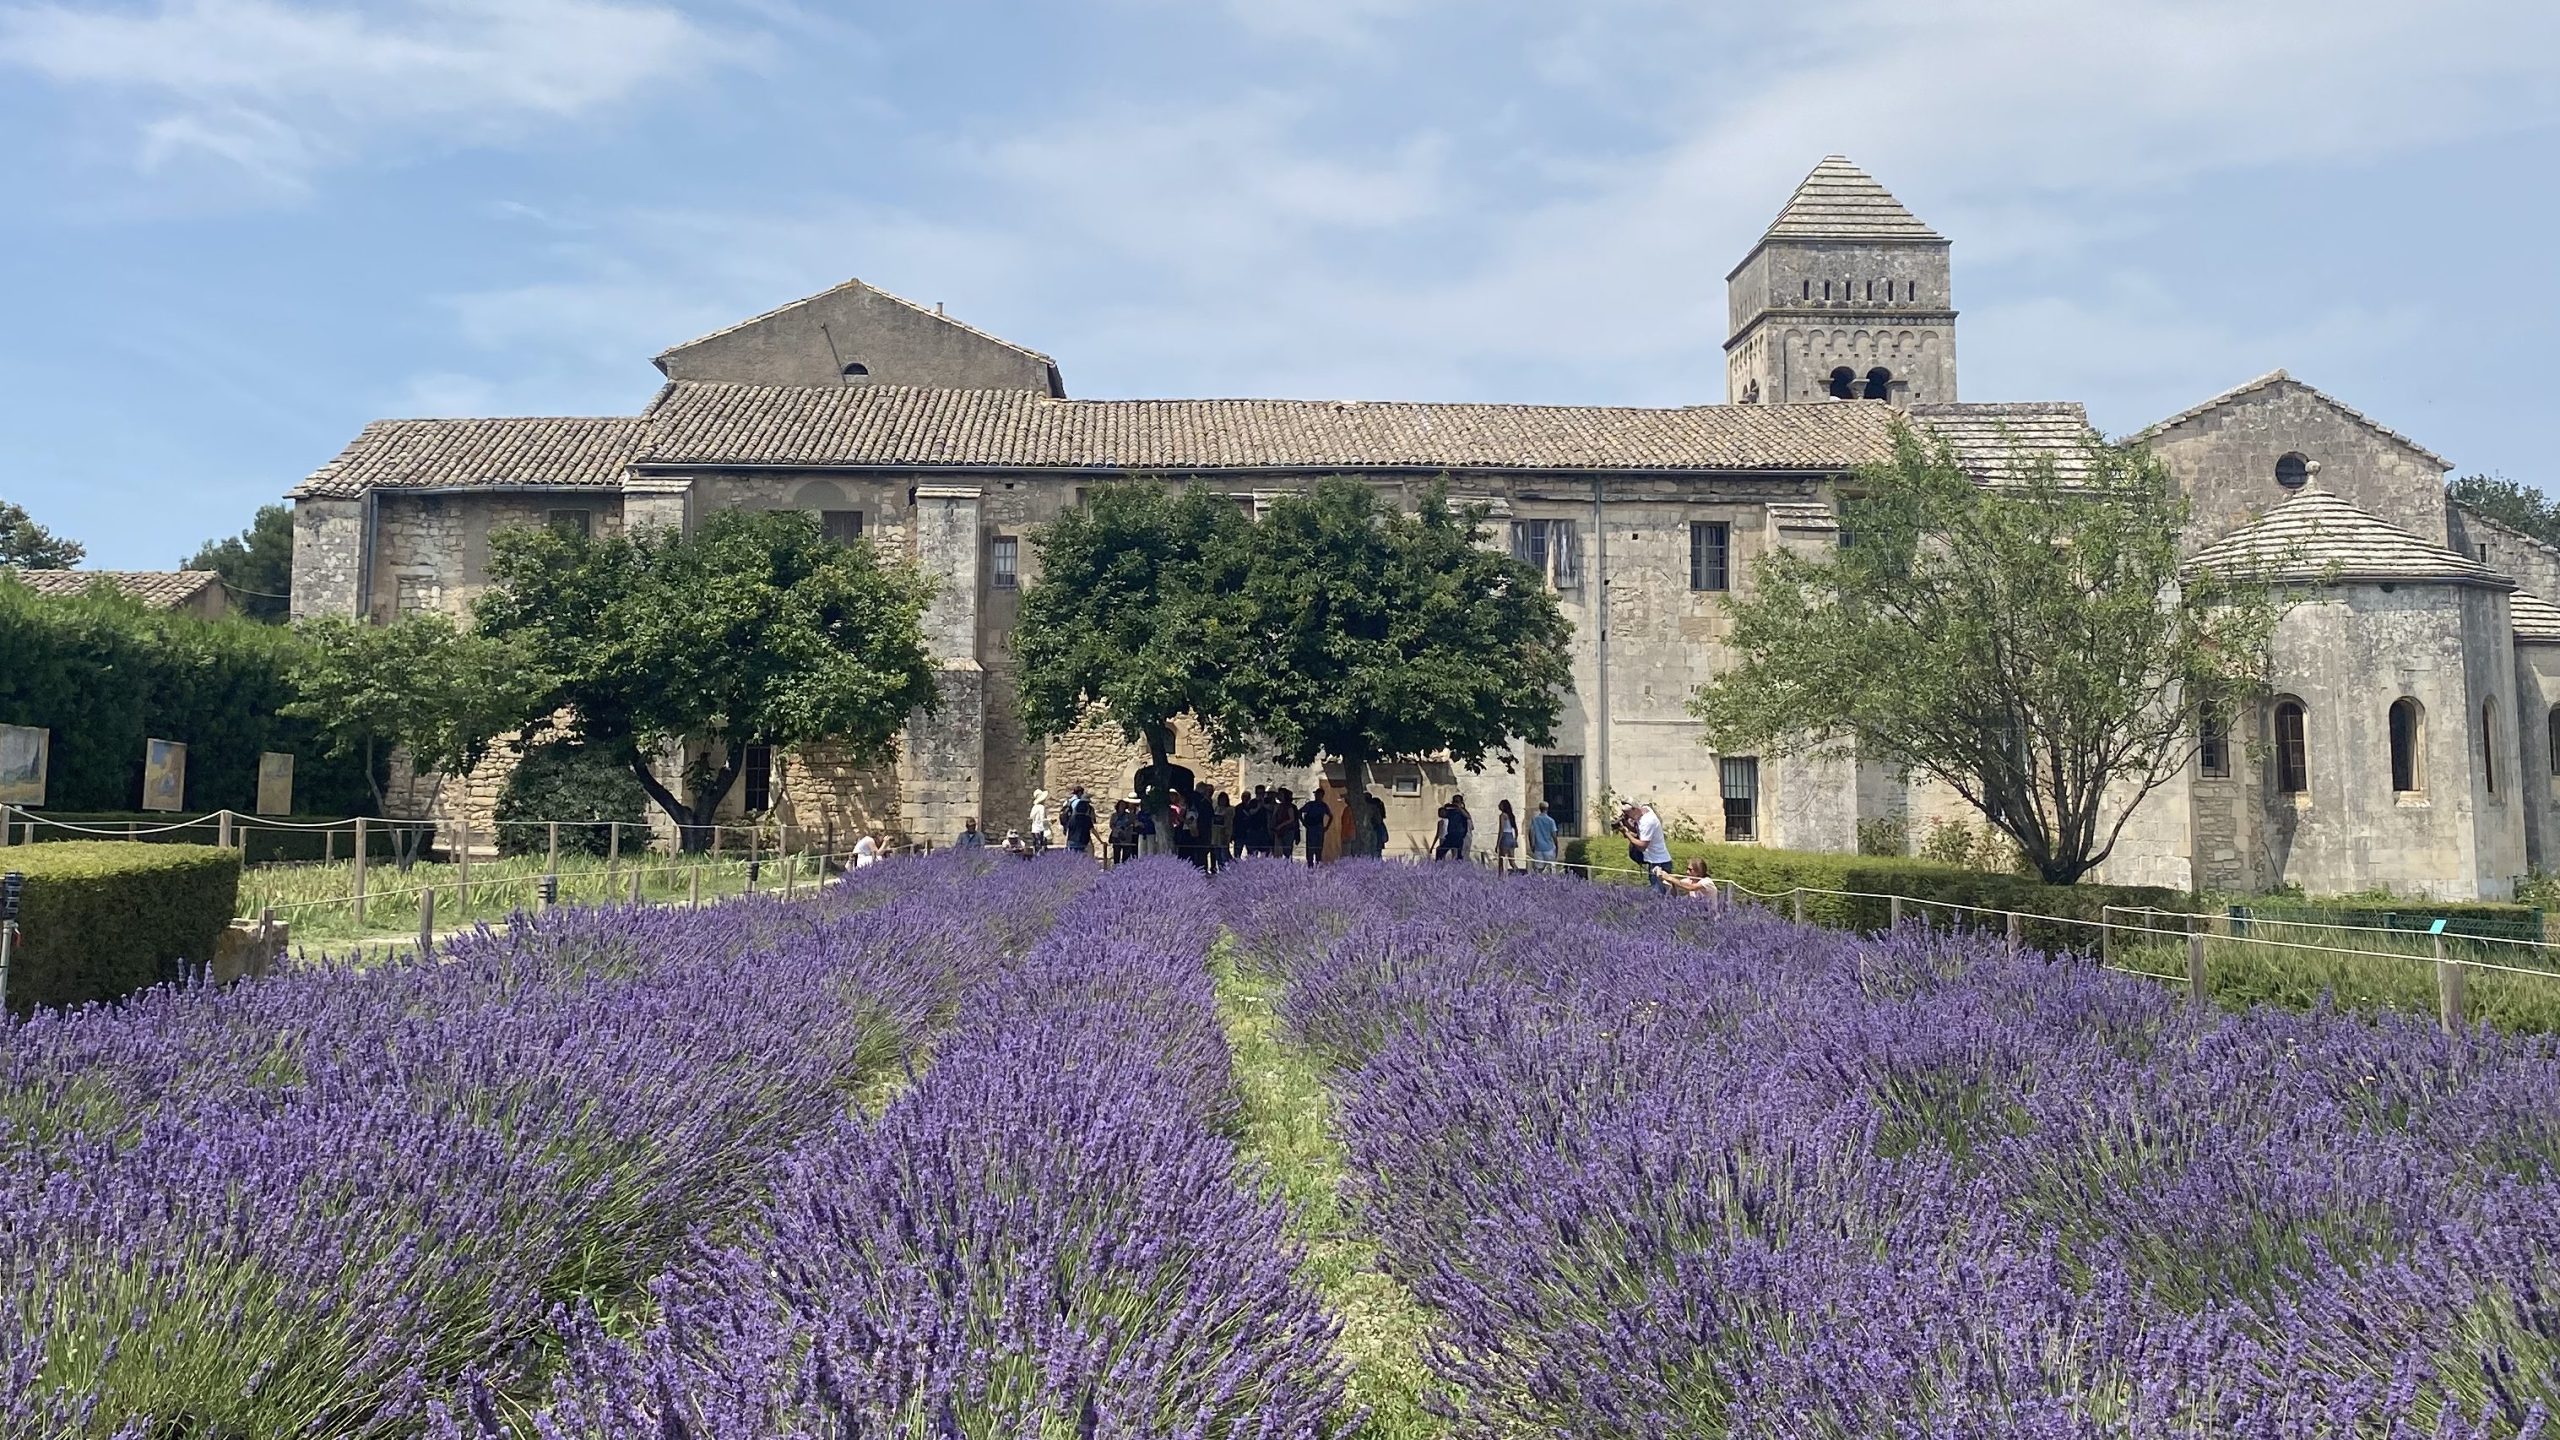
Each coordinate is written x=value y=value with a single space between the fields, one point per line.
x=1045 y=1235
x=1662 y=1172
x=310 y=1206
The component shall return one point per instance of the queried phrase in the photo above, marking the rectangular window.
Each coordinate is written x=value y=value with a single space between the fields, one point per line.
x=1710 y=555
x=1405 y=785
x=1553 y=548
x=1560 y=785
x=844 y=527
x=757 y=772
x=580 y=523
x=1741 y=797
x=1008 y=555
x=1529 y=544
x=2213 y=746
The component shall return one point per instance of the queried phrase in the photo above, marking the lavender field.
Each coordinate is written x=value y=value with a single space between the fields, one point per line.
x=971 y=1147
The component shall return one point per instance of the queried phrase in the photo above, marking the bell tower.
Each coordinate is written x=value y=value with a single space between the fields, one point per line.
x=1847 y=296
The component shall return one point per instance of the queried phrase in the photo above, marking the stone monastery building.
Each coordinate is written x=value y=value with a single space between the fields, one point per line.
x=2411 y=743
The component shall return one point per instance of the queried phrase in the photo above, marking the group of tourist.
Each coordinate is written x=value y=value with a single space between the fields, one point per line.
x=1209 y=829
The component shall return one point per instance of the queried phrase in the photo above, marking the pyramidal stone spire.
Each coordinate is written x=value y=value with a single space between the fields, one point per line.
x=1839 y=201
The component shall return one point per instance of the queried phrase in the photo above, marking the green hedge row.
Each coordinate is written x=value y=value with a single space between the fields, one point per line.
x=2492 y=919
x=104 y=673
x=259 y=844
x=101 y=919
x=1942 y=894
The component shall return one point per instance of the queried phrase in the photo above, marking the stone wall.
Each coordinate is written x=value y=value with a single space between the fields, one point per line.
x=328 y=554
x=2225 y=461
x=1799 y=308
x=858 y=335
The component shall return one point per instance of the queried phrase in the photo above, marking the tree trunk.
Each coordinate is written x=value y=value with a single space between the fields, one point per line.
x=693 y=822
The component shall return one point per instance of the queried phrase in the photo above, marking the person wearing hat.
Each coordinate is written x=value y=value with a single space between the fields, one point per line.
x=1039 y=836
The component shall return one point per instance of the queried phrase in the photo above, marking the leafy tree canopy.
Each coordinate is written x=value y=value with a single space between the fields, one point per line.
x=1364 y=634
x=753 y=630
x=26 y=545
x=421 y=683
x=2510 y=503
x=2032 y=646
x=256 y=565
x=1133 y=592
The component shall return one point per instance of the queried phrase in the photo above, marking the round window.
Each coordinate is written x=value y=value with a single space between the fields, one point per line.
x=2293 y=472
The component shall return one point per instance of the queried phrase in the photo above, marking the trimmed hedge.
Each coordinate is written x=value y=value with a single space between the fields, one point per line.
x=259 y=844
x=561 y=781
x=104 y=673
x=104 y=918
x=1772 y=872
x=2492 y=919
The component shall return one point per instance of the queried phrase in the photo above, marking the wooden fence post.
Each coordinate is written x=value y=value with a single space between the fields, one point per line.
x=696 y=899
x=635 y=884
x=462 y=861
x=427 y=921
x=1893 y=912
x=2449 y=996
x=359 y=872
x=222 y=829
x=2106 y=937
x=2017 y=932
x=551 y=865
x=1799 y=904
x=612 y=846
x=8 y=827
x=2196 y=990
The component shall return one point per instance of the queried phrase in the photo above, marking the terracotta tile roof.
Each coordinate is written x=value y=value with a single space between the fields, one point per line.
x=1839 y=201
x=701 y=423
x=159 y=589
x=2533 y=618
x=2279 y=377
x=545 y=451
x=2316 y=535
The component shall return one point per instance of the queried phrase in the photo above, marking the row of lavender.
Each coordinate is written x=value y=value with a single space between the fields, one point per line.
x=1045 y=1235
x=1661 y=1172
x=326 y=1204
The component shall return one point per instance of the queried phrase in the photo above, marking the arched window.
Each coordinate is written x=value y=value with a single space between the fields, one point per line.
x=2489 y=745
x=1844 y=383
x=2293 y=757
x=1871 y=291
x=856 y=369
x=2406 y=728
x=1808 y=289
x=1826 y=289
x=2292 y=471
x=2555 y=739
x=1879 y=384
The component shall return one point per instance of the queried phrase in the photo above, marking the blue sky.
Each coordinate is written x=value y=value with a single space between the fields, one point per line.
x=235 y=230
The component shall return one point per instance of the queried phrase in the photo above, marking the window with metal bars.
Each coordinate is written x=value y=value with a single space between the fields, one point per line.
x=1004 y=573
x=1741 y=797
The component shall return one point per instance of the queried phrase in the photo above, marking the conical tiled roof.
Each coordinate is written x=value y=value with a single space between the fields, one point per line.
x=2318 y=536
x=2533 y=618
x=1839 y=201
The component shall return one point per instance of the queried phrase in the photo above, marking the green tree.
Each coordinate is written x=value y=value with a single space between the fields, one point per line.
x=421 y=684
x=2510 y=503
x=1134 y=586
x=2032 y=645
x=1366 y=634
x=256 y=565
x=26 y=545
x=753 y=630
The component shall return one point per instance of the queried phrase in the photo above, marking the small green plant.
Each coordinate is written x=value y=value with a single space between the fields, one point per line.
x=1885 y=834
x=564 y=781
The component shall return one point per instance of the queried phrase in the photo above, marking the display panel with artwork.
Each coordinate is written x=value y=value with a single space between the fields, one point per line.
x=164 y=775
x=24 y=750
x=275 y=783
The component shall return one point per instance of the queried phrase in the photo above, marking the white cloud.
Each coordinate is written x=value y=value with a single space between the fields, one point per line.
x=279 y=89
x=1291 y=243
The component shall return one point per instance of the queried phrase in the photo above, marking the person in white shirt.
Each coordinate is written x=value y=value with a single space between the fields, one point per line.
x=866 y=851
x=1039 y=820
x=1646 y=844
